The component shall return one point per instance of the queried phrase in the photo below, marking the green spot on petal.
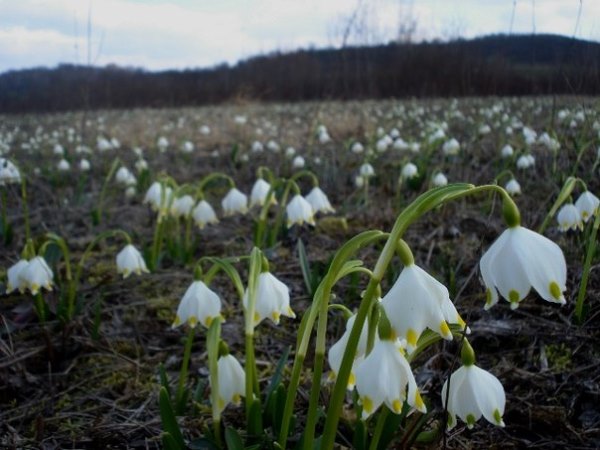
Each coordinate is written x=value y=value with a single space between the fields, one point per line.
x=513 y=296
x=497 y=416
x=470 y=420
x=555 y=290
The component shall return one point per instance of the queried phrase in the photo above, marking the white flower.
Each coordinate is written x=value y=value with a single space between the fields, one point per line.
x=569 y=218
x=8 y=172
x=359 y=181
x=409 y=171
x=474 y=392
x=157 y=196
x=484 y=129
x=289 y=152
x=439 y=180
x=36 y=275
x=525 y=161
x=451 y=147
x=125 y=177
x=187 y=147
x=587 y=205
x=383 y=377
x=84 y=165
x=162 y=143
x=130 y=191
x=205 y=130
x=357 y=148
x=198 y=305
x=507 y=151
x=14 y=282
x=204 y=214
x=366 y=170
x=234 y=202
x=130 y=260
x=259 y=192
x=63 y=165
x=272 y=299
x=520 y=259
x=337 y=350
x=182 y=206
x=513 y=187
x=141 y=164
x=232 y=381
x=299 y=211
x=298 y=162
x=416 y=301
x=319 y=201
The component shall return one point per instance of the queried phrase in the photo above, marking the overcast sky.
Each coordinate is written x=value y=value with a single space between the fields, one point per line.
x=161 y=34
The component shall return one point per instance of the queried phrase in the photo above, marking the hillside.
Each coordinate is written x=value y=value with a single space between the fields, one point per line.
x=491 y=65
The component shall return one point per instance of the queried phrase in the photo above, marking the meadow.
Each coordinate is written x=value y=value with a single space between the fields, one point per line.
x=98 y=349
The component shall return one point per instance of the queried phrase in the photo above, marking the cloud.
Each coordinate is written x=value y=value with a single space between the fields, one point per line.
x=159 y=34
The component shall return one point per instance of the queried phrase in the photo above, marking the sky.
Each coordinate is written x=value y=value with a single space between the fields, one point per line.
x=178 y=34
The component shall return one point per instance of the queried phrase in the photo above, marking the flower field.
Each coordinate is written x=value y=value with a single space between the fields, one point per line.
x=389 y=274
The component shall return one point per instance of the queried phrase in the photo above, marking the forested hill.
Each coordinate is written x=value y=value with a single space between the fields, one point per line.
x=491 y=65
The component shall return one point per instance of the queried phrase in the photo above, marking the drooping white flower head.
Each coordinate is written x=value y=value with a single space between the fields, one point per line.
x=366 y=171
x=8 y=172
x=130 y=260
x=319 y=201
x=409 y=171
x=199 y=305
x=84 y=165
x=36 y=275
x=187 y=147
x=519 y=259
x=63 y=165
x=569 y=218
x=204 y=214
x=513 y=187
x=14 y=282
x=298 y=162
x=507 y=151
x=525 y=161
x=451 y=147
x=416 y=301
x=272 y=299
x=587 y=205
x=357 y=148
x=439 y=180
x=474 y=392
x=125 y=177
x=232 y=381
x=299 y=211
x=182 y=206
x=259 y=193
x=157 y=196
x=383 y=377
x=234 y=202
x=337 y=350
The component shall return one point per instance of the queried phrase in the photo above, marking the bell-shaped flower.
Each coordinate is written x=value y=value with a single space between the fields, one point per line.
x=519 y=259
x=182 y=206
x=384 y=376
x=84 y=165
x=366 y=171
x=337 y=350
x=130 y=260
x=125 y=177
x=14 y=282
x=36 y=275
x=272 y=299
x=204 y=214
x=9 y=173
x=513 y=187
x=299 y=211
x=158 y=197
x=234 y=202
x=439 y=180
x=409 y=171
x=569 y=218
x=198 y=305
x=507 y=151
x=474 y=392
x=63 y=165
x=259 y=193
x=451 y=147
x=319 y=201
x=232 y=381
x=298 y=162
x=417 y=301
x=587 y=205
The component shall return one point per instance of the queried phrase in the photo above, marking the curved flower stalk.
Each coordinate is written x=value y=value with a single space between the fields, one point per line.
x=471 y=392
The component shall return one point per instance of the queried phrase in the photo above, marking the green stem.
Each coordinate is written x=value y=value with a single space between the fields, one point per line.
x=591 y=250
x=111 y=172
x=279 y=217
x=379 y=428
x=25 y=208
x=563 y=195
x=250 y=367
x=40 y=307
x=262 y=218
x=183 y=373
x=212 y=343
x=157 y=241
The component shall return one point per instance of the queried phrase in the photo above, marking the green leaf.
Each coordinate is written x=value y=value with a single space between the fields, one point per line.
x=392 y=426
x=203 y=444
x=359 y=441
x=233 y=439
x=278 y=407
x=168 y=419
x=169 y=442
x=305 y=267
x=278 y=374
x=164 y=380
x=255 y=425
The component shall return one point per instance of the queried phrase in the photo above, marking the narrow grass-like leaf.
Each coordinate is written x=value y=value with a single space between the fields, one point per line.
x=305 y=267
x=233 y=439
x=168 y=419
